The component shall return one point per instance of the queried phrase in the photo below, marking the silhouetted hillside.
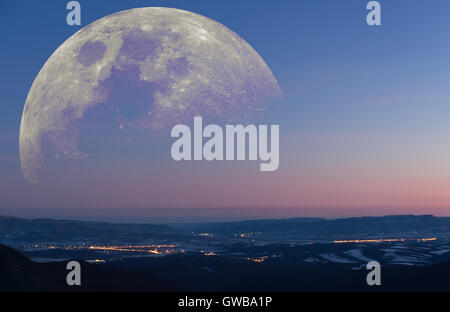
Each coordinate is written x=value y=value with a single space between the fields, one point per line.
x=322 y=228
x=47 y=230
x=59 y=230
x=221 y=273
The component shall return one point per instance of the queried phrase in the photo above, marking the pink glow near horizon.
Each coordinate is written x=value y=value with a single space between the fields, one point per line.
x=228 y=192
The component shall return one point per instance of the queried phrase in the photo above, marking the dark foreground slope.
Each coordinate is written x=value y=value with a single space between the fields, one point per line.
x=193 y=273
x=220 y=273
x=18 y=273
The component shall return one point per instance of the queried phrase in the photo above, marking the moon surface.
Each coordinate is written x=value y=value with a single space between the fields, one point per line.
x=135 y=73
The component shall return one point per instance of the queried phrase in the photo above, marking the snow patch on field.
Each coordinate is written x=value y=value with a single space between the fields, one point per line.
x=440 y=252
x=357 y=254
x=394 y=258
x=334 y=258
x=311 y=260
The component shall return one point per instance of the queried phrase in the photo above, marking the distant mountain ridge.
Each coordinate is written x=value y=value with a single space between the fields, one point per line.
x=22 y=230
x=344 y=228
x=49 y=229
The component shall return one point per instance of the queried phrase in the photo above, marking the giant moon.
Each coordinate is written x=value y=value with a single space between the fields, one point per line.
x=135 y=73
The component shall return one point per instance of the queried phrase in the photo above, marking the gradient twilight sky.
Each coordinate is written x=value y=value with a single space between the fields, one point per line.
x=364 y=126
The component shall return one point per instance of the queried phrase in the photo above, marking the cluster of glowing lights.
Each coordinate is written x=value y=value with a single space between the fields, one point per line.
x=258 y=260
x=153 y=249
x=247 y=234
x=96 y=261
x=384 y=240
x=205 y=234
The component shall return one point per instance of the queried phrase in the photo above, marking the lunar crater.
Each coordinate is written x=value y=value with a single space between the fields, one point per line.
x=91 y=52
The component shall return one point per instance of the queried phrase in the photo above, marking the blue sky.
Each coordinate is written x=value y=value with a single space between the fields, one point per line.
x=365 y=121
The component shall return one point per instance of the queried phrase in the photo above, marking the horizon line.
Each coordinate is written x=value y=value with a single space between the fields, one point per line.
x=206 y=222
